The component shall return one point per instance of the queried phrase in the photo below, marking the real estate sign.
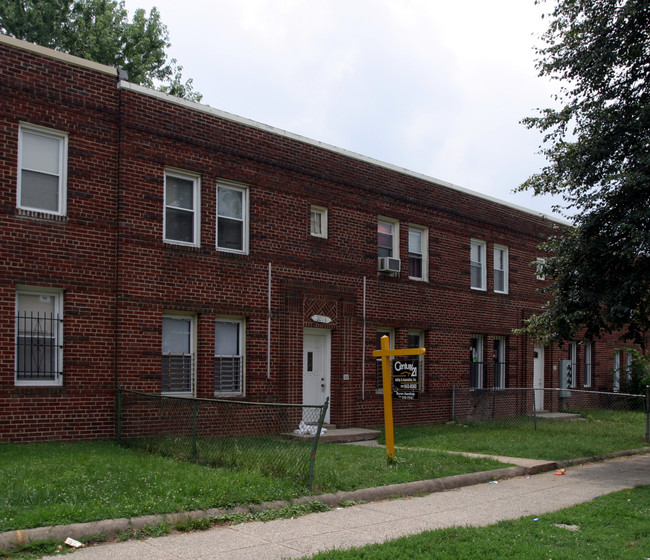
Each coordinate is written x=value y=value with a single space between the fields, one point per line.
x=385 y=354
x=405 y=377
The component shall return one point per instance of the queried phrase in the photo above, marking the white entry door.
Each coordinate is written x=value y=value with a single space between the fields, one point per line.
x=316 y=368
x=538 y=376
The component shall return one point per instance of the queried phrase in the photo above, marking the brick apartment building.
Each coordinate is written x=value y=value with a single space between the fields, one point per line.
x=165 y=246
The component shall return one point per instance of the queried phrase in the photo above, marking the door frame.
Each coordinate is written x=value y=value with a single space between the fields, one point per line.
x=326 y=335
x=538 y=377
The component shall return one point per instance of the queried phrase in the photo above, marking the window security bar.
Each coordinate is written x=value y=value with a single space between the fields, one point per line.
x=177 y=373
x=227 y=374
x=38 y=347
x=480 y=371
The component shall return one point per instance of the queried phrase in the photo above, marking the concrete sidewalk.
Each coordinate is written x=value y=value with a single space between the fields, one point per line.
x=375 y=522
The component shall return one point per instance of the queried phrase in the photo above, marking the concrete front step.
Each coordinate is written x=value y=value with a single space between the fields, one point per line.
x=558 y=415
x=342 y=435
x=349 y=435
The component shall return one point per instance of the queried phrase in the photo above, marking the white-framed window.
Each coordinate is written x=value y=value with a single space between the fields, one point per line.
x=39 y=337
x=477 y=264
x=573 y=372
x=390 y=333
x=622 y=367
x=387 y=238
x=418 y=253
x=42 y=169
x=229 y=349
x=416 y=340
x=318 y=221
x=499 y=362
x=501 y=269
x=232 y=217
x=588 y=362
x=476 y=344
x=540 y=262
x=178 y=354
x=182 y=208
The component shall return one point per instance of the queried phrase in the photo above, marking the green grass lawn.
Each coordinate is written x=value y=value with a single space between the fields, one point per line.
x=49 y=484
x=350 y=467
x=595 y=433
x=612 y=526
x=54 y=483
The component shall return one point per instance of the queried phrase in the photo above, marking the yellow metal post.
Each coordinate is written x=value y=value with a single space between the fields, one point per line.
x=388 y=398
x=385 y=353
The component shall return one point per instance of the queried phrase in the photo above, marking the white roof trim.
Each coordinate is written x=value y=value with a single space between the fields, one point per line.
x=280 y=132
x=70 y=59
x=57 y=55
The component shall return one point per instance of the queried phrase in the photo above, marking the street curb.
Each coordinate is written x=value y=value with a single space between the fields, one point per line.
x=597 y=458
x=417 y=487
x=111 y=527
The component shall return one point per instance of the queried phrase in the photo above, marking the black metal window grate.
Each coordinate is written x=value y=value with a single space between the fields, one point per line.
x=177 y=373
x=38 y=346
x=227 y=374
x=476 y=370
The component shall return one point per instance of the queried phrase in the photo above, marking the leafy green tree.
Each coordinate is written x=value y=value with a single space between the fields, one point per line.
x=635 y=376
x=597 y=147
x=100 y=30
x=36 y=22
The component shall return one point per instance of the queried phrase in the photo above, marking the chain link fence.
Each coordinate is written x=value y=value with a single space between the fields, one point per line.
x=557 y=409
x=222 y=433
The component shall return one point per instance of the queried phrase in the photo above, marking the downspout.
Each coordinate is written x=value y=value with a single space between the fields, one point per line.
x=116 y=226
x=363 y=346
x=268 y=329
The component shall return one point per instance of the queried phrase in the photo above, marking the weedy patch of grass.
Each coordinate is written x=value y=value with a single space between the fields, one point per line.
x=56 y=483
x=367 y=467
x=272 y=455
x=594 y=433
x=612 y=526
x=286 y=512
x=36 y=549
x=153 y=531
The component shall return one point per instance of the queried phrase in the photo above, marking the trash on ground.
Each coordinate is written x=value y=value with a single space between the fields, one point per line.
x=307 y=430
x=73 y=543
x=536 y=519
x=494 y=482
x=560 y=472
x=567 y=527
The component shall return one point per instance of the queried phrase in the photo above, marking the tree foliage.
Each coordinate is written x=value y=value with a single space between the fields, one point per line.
x=100 y=30
x=634 y=377
x=597 y=146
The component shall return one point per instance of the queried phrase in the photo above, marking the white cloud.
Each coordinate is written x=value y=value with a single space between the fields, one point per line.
x=434 y=86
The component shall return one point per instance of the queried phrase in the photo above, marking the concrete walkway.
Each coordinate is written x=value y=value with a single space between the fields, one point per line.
x=375 y=522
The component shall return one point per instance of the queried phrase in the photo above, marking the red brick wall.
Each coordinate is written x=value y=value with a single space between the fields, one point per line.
x=120 y=277
x=75 y=254
x=286 y=176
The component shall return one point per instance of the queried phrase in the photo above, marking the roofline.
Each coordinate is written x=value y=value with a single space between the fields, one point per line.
x=317 y=143
x=58 y=55
x=105 y=69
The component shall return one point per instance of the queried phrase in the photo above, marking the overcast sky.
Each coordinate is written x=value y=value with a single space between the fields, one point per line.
x=434 y=86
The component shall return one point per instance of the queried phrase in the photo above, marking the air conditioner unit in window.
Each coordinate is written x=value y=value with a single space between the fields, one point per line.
x=388 y=264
